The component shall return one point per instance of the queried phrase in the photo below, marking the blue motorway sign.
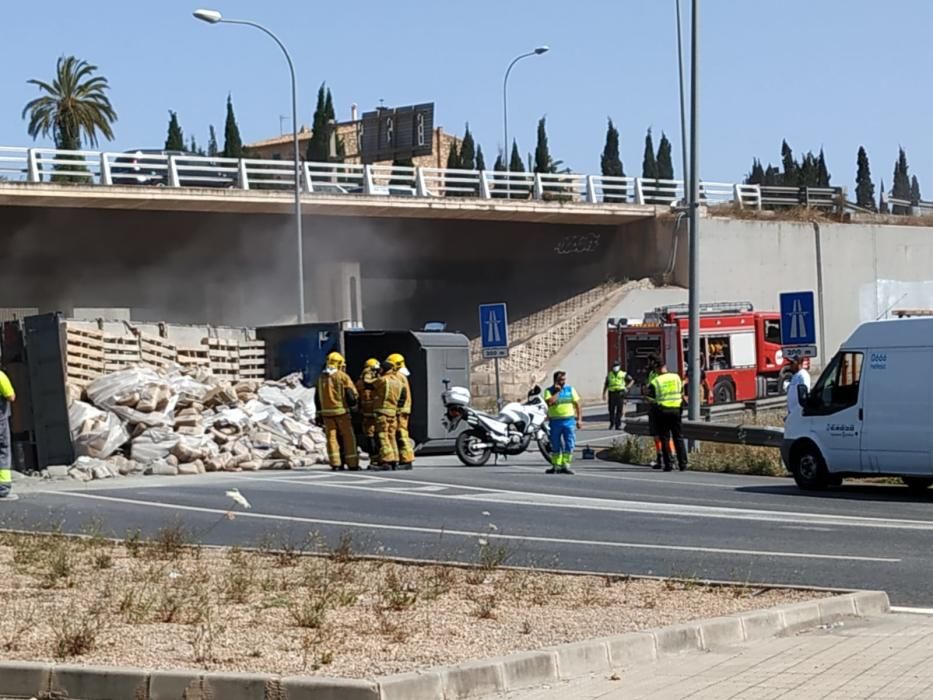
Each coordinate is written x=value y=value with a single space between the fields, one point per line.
x=494 y=330
x=798 y=319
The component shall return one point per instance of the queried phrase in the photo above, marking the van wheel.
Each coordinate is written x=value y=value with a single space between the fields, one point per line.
x=810 y=469
x=917 y=484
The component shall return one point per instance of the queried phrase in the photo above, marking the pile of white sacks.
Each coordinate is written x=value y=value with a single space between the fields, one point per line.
x=175 y=421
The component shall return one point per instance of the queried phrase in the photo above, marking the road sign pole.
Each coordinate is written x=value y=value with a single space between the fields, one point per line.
x=498 y=388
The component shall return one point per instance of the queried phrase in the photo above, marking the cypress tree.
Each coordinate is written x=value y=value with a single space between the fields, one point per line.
x=318 y=150
x=864 y=187
x=543 y=162
x=914 y=191
x=822 y=172
x=212 y=149
x=175 y=141
x=757 y=174
x=329 y=114
x=883 y=201
x=772 y=176
x=499 y=165
x=233 y=144
x=611 y=162
x=807 y=171
x=480 y=160
x=193 y=148
x=790 y=176
x=467 y=159
x=664 y=163
x=901 y=187
x=453 y=157
x=649 y=164
x=515 y=160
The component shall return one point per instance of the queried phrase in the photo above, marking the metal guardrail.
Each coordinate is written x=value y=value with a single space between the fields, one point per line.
x=811 y=197
x=130 y=168
x=717 y=432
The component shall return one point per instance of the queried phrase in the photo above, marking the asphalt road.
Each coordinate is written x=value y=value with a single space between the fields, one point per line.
x=607 y=518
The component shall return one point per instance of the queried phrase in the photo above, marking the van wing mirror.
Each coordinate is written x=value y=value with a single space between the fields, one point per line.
x=535 y=391
x=802 y=394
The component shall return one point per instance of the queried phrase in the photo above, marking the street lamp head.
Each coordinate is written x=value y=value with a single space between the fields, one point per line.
x=542 y=49
x=209 y=16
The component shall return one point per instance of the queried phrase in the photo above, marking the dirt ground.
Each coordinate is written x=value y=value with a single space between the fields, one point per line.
x=161 y=604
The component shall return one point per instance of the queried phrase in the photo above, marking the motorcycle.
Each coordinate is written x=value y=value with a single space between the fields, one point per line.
x=508 y=433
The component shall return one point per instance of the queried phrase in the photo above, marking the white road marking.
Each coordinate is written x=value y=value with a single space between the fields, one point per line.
x=654 y=480
x=913 y=611
x=678 y=510
x=481 y=534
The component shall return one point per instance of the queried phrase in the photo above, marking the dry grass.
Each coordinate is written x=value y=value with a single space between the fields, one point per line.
x=713 y=456
x=160 y=603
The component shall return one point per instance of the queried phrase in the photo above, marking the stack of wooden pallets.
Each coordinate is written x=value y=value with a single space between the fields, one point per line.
x=120 y=352
x=252 y=359
x=224 y=357
x=194 y=357
x=84 y=354
x=157 y=351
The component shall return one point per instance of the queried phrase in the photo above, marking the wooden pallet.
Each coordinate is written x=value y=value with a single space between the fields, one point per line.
x=120 y=352
x=157 y=351
x=252 y=359
x=193 y=357
x=84 y=354
x=224 y=357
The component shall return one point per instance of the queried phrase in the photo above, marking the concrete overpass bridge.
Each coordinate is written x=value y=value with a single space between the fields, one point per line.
x=211 y=239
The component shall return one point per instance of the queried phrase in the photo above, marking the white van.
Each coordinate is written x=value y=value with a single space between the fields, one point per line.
x=871 y=411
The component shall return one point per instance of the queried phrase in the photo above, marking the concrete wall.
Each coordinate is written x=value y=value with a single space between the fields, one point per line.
x=866 y=269
x=586 y=361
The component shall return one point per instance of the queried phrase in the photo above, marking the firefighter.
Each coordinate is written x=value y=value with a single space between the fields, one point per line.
x=7 y=397
x=336 y=396
x=666 y=391
x=366 y=388
x=654 y=363
x=390 y=395
x=406 y=453
x=618 y=381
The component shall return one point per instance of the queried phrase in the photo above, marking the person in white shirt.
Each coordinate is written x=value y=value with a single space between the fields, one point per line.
x=800 y=376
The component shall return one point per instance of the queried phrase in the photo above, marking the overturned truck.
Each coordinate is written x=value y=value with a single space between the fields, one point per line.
x=120 y=398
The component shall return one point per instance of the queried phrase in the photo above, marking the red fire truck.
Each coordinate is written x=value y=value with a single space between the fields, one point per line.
x=740 y=348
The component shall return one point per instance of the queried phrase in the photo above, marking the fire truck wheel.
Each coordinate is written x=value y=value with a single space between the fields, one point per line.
x=723 y=391
x=809 y=468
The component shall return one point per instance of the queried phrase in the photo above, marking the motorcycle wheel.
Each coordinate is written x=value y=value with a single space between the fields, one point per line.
x=469 y=455
x=544 y=445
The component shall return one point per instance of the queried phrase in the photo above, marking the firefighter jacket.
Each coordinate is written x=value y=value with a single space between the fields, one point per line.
x=366 y=387
x=336 y=394
x=405 y=407
x=390 y=394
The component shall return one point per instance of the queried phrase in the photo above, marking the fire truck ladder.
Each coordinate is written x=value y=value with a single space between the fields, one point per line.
x=715 y=308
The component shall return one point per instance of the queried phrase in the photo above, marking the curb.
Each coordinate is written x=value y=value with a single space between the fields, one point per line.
x=468 y=679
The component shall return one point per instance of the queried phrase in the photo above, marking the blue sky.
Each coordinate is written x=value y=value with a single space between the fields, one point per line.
x=828 y=74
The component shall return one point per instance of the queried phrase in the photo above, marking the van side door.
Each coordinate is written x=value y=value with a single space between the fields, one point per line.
x=833 y=409
x=896 y=430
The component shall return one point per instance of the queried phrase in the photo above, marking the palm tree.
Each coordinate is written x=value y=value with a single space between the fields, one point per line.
x=75 y=106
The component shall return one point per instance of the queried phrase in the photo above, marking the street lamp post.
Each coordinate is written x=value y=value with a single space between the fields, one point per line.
x=693 y=407
x=215 y=17
x=505 y=111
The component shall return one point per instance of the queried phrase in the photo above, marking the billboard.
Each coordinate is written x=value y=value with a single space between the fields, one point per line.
x=396 y=133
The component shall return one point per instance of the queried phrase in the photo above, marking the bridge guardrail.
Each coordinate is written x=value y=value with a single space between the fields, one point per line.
x=129 y=168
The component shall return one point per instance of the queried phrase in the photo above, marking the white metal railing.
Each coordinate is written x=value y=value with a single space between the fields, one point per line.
x=158 y=169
